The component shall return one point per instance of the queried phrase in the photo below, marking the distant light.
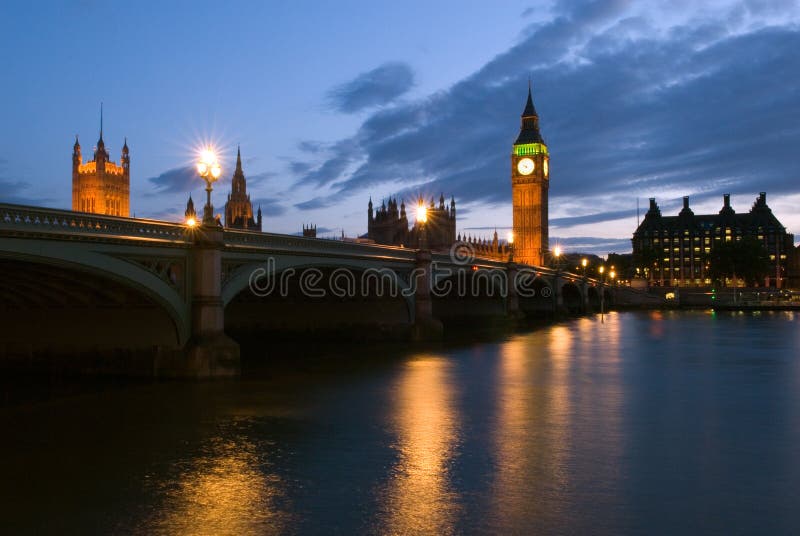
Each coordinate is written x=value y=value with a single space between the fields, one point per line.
x=612 y=274
x=510 y=237
x=191 y=222
x=601 y=269
x=584 y=262
x=422 y=213
x=557 y=251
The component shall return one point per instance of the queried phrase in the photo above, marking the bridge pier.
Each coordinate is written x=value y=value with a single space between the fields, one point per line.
x=209 y=353
x=512 y=299
x=425 y=327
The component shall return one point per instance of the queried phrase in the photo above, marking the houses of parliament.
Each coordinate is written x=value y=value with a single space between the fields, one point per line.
x=102 y=186
x=530 y=178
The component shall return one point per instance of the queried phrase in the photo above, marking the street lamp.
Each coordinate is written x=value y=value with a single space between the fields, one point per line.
x=422 y=217
x=556 y=255
x=510 y=239
x=208 y=168
x=584 y=262
x=602 y=293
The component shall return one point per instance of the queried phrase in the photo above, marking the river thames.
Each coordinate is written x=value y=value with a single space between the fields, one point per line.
x=646 y=423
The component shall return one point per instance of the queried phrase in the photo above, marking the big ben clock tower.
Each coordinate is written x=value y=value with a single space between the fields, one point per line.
x=530 y=177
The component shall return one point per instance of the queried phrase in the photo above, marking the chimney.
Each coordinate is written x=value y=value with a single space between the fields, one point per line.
x=727 y=200
x=686 y=202
x=653 y=203
x=762 y=198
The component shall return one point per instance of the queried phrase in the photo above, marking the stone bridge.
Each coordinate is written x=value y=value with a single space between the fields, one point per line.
x=127 y=294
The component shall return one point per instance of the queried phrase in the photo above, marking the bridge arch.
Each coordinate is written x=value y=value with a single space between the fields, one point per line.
x=332 y=297
x=86 y=284
x=571 y=297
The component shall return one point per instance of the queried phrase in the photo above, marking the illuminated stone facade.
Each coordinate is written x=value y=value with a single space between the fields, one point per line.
x=530 y=178
x=678 y=248
x=239 y=209
x=389 y=225
x=100 y=185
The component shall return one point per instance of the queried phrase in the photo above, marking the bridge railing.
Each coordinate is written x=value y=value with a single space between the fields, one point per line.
x=26 y=219
x=299 y=244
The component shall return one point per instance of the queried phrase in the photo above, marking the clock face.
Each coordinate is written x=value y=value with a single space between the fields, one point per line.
x=545 y=168
x=525 y=166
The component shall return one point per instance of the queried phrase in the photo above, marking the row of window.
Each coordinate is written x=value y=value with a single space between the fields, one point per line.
x=113 y=206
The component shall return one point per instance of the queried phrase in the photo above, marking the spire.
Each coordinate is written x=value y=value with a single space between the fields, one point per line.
x=529 y=130
x=125 y=145
x=77 y=145
x=530 y=110
x=101 y=125
x=238 y=160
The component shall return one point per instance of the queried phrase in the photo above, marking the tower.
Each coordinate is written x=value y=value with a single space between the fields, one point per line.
x=100 y=185
x=530 y=178
x=239 y=209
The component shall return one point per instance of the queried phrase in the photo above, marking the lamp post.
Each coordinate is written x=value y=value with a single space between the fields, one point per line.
x=208 y=168
x=511 y=246
x=422 y=217
x=602 y=269
x=557 y=256
x=584 y=262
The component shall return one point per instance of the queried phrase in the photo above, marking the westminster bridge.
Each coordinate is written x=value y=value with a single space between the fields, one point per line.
x=134 y=293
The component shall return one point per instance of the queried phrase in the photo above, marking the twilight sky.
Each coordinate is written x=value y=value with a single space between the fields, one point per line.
x=334 y=102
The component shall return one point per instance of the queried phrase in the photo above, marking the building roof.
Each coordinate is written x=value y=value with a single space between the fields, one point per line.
x=760 y=215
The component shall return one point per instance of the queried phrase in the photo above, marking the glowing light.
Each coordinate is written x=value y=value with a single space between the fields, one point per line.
x=208 y=157
x=202 y=168
x=191 y=222
x=422 y=213
x=216 y=171
x=601 y=269
x=612 y=274
x=557 y=251
x=584 y=262
x=510 y=237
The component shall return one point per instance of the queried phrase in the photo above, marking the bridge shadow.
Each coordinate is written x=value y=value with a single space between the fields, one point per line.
x=323 y=304
x=69 y=318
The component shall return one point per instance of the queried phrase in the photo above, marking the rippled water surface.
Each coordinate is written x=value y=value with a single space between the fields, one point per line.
x=649 y=423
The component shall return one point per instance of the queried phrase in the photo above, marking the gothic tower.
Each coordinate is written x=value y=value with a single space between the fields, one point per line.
x=530 y=179
x=239 y=209
x=100 y=185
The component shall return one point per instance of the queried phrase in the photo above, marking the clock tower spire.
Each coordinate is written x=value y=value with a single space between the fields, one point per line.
x=530 y=177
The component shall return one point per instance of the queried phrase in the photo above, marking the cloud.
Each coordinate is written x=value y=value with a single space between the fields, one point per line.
x=270 y=206
x=177 y=180
x=630 y=106
x=11 y=192
x=377 y=87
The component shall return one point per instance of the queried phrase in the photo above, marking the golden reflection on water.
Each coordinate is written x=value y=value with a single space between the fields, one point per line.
x=224 y=491
x=549 y=402
x=419 y=496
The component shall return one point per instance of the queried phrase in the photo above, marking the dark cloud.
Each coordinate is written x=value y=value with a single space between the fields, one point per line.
x=379 y=86
x=315 y=203
x=13 y=192
x=270 y=206
x=627 y=112
x=177 y=180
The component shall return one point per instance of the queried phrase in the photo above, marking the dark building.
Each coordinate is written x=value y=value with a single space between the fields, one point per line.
x=309 y=231
x=389 y=225
x=239 y=209
x=678 y=248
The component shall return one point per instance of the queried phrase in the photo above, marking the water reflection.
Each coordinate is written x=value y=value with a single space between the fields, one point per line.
x=420 y=498
x=227 y=489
